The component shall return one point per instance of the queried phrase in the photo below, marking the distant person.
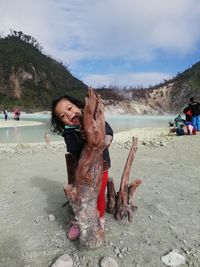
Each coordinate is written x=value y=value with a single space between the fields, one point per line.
x=179 y=124
x=188 y=114
x=17 y=114
x=195 y=110
x=5 y=112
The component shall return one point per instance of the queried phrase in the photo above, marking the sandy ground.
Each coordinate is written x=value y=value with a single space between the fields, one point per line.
x=168 y=215
x=13 y=123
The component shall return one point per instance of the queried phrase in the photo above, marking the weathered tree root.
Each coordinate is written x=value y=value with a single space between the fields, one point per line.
x=121 y=204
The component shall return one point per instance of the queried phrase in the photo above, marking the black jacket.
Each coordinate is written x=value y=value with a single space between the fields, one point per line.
x=195 y=108
x=75 y=143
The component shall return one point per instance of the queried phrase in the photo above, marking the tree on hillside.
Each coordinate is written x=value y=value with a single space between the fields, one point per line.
x=25 y=38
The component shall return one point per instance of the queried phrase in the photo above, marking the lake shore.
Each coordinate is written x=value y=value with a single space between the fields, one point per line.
x=148 y=136
x=32 y=180
x=20 y=123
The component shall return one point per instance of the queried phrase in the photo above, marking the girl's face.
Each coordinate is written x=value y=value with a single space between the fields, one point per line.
x=67 y=112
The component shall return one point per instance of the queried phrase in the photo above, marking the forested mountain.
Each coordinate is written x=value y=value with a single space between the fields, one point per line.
x=31 y=80
x=28 y=78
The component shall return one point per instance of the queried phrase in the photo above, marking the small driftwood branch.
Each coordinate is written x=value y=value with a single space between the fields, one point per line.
x=121 y=204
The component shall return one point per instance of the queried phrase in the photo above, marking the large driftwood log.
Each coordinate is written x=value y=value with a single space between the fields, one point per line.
x=83 y=194
x=85 y=177
x=121 y=204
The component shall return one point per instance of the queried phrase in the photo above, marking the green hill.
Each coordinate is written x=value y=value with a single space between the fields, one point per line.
x=30 y=79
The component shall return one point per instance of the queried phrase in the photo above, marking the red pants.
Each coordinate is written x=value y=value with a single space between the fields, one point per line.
x=101 y=203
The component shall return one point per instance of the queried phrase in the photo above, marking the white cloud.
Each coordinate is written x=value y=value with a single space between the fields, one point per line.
x=131 y=29
x=129 y=79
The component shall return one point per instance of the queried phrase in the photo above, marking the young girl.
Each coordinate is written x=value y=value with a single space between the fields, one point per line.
x=65 y=120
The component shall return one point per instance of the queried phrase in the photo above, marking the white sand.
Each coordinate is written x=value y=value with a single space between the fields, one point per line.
x=168 y=216
x=147 y=136
x=20 y=123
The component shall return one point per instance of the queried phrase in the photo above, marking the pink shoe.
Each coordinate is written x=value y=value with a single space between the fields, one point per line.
x=73 y=233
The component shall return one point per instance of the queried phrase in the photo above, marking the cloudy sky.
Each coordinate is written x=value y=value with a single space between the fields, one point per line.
x=112 y=42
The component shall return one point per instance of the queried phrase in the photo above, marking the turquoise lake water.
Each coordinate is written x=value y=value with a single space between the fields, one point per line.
x=118 y=123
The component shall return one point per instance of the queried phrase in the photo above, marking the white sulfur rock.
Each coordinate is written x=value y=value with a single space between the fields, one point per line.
x=108 y=262
x=173 y=259
x=63 y=261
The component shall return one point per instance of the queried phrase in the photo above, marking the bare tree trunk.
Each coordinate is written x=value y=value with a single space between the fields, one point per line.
x=83 y=194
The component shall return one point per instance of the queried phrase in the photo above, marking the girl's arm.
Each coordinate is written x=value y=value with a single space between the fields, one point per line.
x=74 y=142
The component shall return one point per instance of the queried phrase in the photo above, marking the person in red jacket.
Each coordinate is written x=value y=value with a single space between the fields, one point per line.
x=188 y=114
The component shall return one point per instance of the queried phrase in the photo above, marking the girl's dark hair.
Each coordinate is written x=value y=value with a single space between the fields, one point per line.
x=58 y=126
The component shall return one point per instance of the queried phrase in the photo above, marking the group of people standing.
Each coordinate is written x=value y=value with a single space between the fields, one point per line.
x=192 y=113
x=191 y=124
x=16 y=114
